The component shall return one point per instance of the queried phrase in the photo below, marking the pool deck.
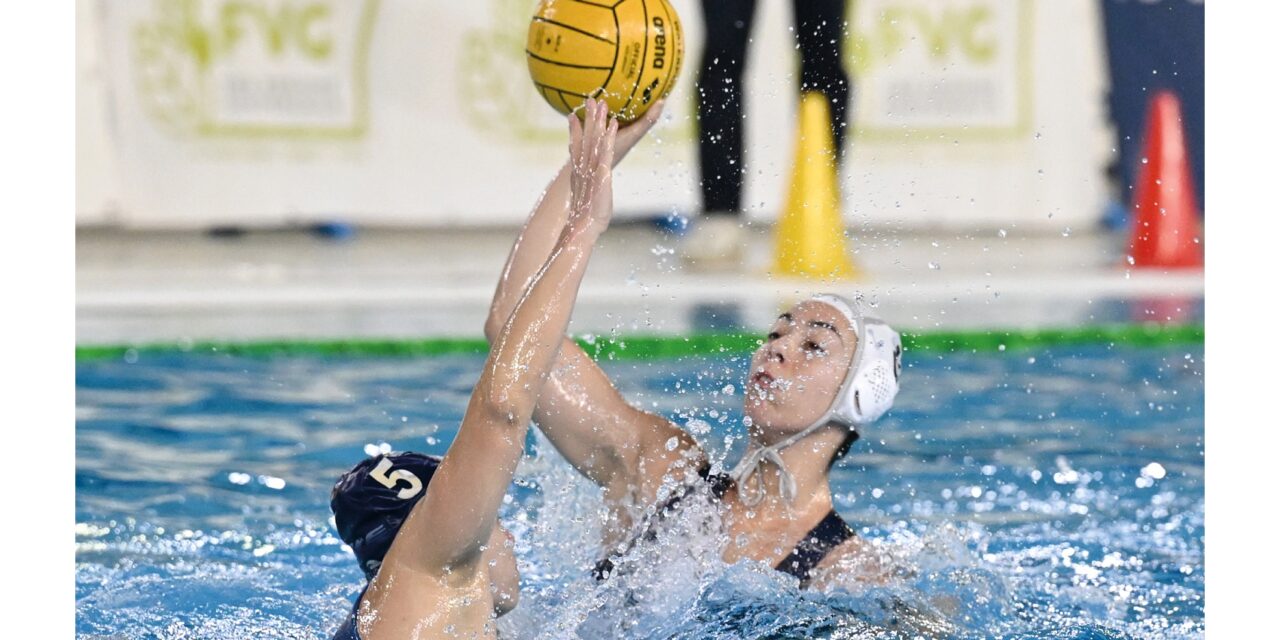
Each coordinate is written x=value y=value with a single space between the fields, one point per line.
x=165 y=287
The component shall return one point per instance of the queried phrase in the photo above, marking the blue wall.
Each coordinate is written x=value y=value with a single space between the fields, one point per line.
x=1152 y=45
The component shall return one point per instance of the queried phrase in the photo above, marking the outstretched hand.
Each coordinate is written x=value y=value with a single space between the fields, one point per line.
x=631 y=134
x=591 y=159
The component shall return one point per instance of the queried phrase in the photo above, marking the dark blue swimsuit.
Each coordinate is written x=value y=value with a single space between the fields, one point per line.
x=348 y=629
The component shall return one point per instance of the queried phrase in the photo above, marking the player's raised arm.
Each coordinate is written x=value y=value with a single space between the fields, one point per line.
x=579 y=409
x=466 y=491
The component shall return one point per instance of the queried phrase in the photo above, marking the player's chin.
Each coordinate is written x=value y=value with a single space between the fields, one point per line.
x=759 y=409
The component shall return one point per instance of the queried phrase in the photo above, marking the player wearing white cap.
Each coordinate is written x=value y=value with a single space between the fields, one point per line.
x=824 y=373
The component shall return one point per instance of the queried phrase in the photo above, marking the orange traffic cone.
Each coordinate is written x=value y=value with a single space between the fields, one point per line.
x=1166 y=220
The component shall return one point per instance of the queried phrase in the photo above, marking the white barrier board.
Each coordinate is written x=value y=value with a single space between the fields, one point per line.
x=194 y=113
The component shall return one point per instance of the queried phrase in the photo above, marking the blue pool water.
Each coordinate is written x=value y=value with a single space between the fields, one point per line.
x=1052 y=493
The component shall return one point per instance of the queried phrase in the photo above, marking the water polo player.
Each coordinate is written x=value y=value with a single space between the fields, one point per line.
x=425 y=531
x=824 y=373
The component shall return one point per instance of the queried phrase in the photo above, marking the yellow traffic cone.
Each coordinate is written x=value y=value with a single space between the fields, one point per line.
x=810 y=230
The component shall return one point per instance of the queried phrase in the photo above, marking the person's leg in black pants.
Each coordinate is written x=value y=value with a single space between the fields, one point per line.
x=728 y=25
x=820 y=32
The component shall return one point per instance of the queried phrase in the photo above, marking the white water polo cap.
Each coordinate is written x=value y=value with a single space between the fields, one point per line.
x=867 y=392
x=871 y=381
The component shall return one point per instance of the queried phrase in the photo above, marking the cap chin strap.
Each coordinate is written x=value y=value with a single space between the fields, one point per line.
x=752 y=494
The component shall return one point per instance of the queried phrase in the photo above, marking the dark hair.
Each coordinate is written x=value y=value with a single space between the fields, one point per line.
x=843 y=450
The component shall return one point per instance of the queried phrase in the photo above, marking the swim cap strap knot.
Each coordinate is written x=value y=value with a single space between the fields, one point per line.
x=752 y=494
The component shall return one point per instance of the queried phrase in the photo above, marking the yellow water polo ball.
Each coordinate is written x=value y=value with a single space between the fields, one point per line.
x=626 y=52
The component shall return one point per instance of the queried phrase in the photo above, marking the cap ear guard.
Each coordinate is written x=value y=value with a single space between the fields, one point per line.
x=874 y=382
x=871 y=382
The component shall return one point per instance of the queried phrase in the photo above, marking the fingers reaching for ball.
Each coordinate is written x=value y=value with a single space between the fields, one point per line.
x=591 y=147
x=631 y=134
x=589 y=138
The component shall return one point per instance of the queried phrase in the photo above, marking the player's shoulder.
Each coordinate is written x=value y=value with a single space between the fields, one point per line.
x=667 y=455
x=857 y=559
x=665 y=444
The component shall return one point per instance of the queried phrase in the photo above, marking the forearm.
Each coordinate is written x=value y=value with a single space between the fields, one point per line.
x=469 y=485
x=525 y=348
x=530 y=250
x=549 y=215
x=578 y=409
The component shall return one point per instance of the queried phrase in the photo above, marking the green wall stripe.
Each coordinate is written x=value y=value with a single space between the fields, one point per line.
x=642 y=347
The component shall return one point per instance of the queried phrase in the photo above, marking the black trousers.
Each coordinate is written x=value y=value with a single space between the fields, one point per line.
x=820 y=33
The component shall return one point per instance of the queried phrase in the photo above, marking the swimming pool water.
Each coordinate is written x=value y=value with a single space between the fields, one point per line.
x=1047 y=493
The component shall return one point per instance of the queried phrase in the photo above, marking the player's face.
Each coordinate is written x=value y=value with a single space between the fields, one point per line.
x=797 y=372
x=504 y=578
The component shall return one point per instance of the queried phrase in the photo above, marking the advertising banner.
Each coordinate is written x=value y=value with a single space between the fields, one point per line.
x=262 y=113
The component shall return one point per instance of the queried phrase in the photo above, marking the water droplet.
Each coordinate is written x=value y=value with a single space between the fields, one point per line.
x=935 y=266
x=698 y=427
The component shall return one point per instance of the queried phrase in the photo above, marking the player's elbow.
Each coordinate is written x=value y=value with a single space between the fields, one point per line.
x=507 y=407
x=492 y=326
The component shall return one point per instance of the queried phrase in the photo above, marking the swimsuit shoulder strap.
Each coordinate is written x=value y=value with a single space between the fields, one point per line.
x=719 y=483
x=828 y=534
